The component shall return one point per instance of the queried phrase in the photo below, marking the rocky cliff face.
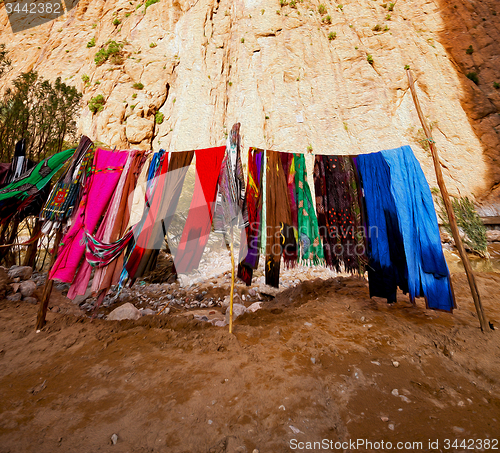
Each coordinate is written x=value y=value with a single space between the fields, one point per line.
x=294 y=75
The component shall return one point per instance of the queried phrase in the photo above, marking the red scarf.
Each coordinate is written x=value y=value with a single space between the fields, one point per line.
x=199 y=221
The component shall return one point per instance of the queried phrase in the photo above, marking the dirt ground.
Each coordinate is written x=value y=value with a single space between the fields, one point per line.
x=321 y=361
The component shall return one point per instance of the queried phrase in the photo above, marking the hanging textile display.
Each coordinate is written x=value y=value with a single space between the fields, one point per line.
x=66 y=192
x=111 y=228
x=230 y=205
x=35 y=179
x=152 y=236
x=280 y=237
x=139 y=197
x=199 y=221
x=250 y=262
x=387 y=268
x=132 y=257
x=339 y=213
x=428 y=273
x=101 y=184
x=311 y=250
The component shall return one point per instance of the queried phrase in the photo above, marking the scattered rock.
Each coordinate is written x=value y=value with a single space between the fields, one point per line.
x=14 y=297
x=395 y=364
x=27 y=288
x=125 y=311
x=55 y=309
x=395 y=392
x=238 y=310
x=15 y=287
x=146 y=311
x=255 y=306
x=384 y=419
x=31 y=300
x=391 y=426
x=114 y=439
x=23 y=272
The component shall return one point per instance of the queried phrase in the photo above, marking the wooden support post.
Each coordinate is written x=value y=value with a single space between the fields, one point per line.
x=449 y=209
x=231 y=297
x=29 y=258
x=47 y=289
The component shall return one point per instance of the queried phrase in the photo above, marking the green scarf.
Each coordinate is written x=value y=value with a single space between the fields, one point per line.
x=35 y=179
x=311 y=250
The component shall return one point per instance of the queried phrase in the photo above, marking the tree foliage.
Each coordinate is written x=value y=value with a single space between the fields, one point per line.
x=42 y=112
x=4 y=61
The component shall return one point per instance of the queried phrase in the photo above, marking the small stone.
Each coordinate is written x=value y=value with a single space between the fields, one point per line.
x=384 y=419
x=458 y=430
x=255 y=451
x=395 y=364
x=16 y=279
x=125 y=311
x=391 y=426
x=147 y=311
x=22 y=272
x=255 y=306
x=31 y=300
x=27 y=288
x=281 y=408
x=210 y=422
x=395 y=392
x=114 y=439
x=313 y=360
x=461 y=403
x=14 y=297
x=405 y=399
x=55 y=309
x=308 y=324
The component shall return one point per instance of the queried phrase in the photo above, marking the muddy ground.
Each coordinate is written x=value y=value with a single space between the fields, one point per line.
x=320 y=361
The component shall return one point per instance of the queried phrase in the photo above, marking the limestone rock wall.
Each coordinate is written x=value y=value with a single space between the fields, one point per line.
x=206 y=64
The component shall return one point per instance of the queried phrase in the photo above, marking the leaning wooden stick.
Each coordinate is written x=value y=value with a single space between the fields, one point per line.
x=231 y=297
x=449 y=210
x=47 y=289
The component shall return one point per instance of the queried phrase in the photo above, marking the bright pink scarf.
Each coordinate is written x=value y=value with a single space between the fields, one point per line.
x=106 y=172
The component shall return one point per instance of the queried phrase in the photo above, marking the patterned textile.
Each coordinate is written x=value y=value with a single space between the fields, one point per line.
x=311 y=250
x=231 y=194
x=288 y=163
x=66 y=192
x=110 y=229
x=100 y=186
x=99 y=254
x=278 y=219
x=339 y=213
x=199 y=221
x=35 y=179
x=250 y=261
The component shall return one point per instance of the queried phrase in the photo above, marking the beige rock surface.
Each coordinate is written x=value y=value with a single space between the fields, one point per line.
x=206 y=64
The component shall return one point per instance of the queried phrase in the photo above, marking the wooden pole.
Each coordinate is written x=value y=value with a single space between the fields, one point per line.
x=47 y=289
x=449 y=209
x=231 y=297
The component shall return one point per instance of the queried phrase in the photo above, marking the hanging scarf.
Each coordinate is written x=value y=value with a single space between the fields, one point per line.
x=230 y=205
x=99 y=254
x=199 y=221
x=339 y=213
x=279 y=220
x=66 y=192
x=310 y=244
x=254 y=205
x=428 y=273
x=35 y=179
x=288 y=163
x=132 y=257
x=152 y=237
x=100 y=186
